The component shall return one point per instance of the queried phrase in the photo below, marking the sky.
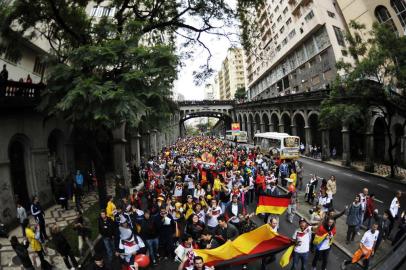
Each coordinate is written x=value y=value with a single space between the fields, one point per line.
x=218 y=46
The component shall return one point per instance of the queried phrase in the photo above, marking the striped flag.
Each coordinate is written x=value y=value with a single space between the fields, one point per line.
x=273 y=204
x=245 y=248
x=323 y=235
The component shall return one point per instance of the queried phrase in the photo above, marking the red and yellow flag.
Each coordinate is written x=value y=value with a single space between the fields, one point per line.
x=272 y=204
x=247 y=247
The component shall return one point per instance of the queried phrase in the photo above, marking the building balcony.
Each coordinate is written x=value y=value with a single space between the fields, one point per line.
x=298 y=4
x=20 y=94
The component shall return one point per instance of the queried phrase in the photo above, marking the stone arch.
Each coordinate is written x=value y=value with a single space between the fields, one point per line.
x=257 y=119
x=250 y=126
x=265 y=122
x=275 y=121
x=57 y=153
x=22 y=182
x=286 y=123
x=298 y=120
x=378 y=131
x=314 y=126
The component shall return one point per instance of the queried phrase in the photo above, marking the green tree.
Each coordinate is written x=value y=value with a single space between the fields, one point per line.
x=372 y=85
x=109 y=71
x=240 y=93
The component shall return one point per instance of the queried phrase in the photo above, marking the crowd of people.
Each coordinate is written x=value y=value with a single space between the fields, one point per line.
x=198 y=193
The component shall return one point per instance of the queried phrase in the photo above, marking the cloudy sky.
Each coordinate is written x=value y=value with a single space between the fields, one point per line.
x=218 y=47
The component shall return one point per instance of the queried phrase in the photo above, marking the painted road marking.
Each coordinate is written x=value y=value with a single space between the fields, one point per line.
x=348 y=174
x=325 y=167
x=384 y=186
x=378 y=200
x=363 y=179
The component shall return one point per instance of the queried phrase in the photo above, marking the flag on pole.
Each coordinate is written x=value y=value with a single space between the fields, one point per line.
x=273 y=204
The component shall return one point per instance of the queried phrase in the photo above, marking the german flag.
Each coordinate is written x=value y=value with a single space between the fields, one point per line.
x=245 y=248
x=323 y=235
x=273 y=204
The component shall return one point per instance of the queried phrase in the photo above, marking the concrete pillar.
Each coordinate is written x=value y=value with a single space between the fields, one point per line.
x=294 y=130
x=135 y=148
x=250 y=136
x=325 y=144
x=346 y=161
x=243 y=126
x=271 y=127
x=6 y=193
x=369 y=152
x=153 y=144
x=146 y=146
x=386 y=154
x=281 y=128
x=309 y=139
x=41 y=184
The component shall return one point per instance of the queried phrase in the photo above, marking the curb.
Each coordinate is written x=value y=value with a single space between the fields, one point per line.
x=353 y=169
x=339 y=246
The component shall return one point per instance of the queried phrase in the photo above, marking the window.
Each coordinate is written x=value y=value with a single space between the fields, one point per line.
x=279 y=18
x=285 y=10
x=39 y=66
x=339 y=36
x=383 y=16
x=276 y=9
x=309 y=16
x=292 y=33
x=106 y=11
x=282 y=29
x=273 y=27
x=284 y=41
x=331 y=14
x=94 y=11
x=10 y=57
x=289 y=21
x=400 y=7
x=278 y=48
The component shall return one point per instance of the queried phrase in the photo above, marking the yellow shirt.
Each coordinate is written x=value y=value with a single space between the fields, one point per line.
x=217 y=185
x=293 y=176
x=110 y=209
x=34 y=243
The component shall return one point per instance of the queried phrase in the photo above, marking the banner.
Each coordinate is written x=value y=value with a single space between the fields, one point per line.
x=235 y=126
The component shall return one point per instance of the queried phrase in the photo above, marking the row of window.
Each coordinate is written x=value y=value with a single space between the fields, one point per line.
x=383 y=16
x=39 y=66
x=100 y=11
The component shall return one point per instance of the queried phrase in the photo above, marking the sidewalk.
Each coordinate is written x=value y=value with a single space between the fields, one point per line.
x=381 y=170
x=341 y=227
x=54 y=214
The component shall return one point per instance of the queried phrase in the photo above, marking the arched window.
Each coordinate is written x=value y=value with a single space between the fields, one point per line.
x=400 y=8
x=383 y=16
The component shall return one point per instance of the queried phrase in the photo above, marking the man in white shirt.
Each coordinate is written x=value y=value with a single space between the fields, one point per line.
x=363 y=199
x=273 y=226
x=302 y=237
x=212 y=214
x=366 y=247
x=394 y=210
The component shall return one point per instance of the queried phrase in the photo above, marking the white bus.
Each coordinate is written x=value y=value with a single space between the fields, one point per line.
x=277 y=144
x=241 y=136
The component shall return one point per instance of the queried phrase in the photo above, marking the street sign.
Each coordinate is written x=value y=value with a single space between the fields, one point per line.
x=235 y=126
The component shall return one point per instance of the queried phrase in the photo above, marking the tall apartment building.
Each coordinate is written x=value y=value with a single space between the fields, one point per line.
x=299 y=45
x=209 y=93
x=231 y=75
x=390 y=12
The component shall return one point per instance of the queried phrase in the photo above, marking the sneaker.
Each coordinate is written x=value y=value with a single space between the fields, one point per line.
x=343 y=265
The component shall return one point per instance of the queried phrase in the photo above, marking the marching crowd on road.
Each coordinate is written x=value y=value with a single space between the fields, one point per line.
x=196 y=195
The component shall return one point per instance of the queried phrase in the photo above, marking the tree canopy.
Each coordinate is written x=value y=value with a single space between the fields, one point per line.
x=372 y=84
x=240 y=93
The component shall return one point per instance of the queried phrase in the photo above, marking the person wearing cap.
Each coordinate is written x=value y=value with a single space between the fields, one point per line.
x=302 y=237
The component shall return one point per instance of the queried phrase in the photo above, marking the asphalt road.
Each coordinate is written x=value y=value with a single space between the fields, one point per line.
x=350 y=183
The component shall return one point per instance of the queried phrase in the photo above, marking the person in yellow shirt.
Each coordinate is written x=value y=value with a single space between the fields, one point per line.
x=33 y=237
x=293 y=176
x=111 y=207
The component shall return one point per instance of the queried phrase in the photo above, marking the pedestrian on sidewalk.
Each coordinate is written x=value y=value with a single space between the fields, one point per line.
x=36 y=246
x=62 y=247
x=324 y=201
x=292 y=207
x=82 y=227
x=302 y=237
x=369 y=211
x=366 y=248
x=149 y=233
x=383 y=228
x=394 y=210
x=38 y=214
x=363 y=199
x=331 y=186
x=323 y=240
x=107 y=230
x=21 y=216
x=402 y=229
x=354 y=218
x=299 y=172
x=311 y=188
x=22 y=252
x=284 y=172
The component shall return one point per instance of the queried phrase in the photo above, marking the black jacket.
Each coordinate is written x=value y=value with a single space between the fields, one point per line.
x=149 y=228
x=107 y=227
x=61 y=244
